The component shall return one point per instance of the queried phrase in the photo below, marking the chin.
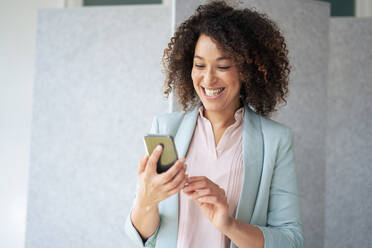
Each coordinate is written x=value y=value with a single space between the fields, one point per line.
x=212 y=107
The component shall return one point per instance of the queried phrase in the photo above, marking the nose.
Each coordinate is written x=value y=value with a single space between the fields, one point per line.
x=209 y=77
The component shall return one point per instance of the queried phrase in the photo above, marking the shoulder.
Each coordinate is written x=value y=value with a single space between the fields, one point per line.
x=170 y=117
x=271 y=125
x=274 y=130
x=168 y=123
x=267 y=125
x=277 y=139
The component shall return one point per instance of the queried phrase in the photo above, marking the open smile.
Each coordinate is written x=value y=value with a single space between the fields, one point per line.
x=212 y=93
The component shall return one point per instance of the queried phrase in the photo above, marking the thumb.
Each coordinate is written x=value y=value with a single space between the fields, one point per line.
x=153 y=160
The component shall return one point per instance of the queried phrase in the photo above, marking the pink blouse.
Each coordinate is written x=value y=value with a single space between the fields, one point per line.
x=223 y=165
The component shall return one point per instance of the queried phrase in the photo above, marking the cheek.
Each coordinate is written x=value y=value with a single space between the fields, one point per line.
x=234 y=80
x=194 y=80
x=194 y=75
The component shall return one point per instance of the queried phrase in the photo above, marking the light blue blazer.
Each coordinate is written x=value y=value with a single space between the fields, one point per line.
x=269 y=198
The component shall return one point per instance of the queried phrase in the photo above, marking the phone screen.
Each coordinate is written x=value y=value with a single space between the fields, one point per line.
x=169 y=154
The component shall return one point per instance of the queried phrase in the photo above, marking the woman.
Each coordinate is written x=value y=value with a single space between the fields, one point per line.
x=236 y=186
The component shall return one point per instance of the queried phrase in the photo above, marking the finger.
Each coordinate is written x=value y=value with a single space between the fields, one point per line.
x=153 y=159
x=211 y=200
x=178 y=188
x=197 y=178
x=195 y=183
x=172 y=172
x=176 y=180
x=199 y=193
x=142 y=164
x=192 y=186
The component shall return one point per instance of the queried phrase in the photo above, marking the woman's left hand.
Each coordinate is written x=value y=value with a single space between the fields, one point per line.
x=211 y=199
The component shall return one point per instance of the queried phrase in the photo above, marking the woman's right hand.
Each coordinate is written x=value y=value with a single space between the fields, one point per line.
x=154 y=187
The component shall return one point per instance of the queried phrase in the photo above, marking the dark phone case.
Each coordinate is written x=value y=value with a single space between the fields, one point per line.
x=169 y=154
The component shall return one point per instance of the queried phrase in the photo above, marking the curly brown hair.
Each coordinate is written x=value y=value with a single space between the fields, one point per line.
x=255 y=43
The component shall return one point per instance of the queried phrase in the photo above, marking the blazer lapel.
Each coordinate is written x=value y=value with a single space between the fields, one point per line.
x=168 y=208
x=252 y=164
x=185 y=132
x=252 y=168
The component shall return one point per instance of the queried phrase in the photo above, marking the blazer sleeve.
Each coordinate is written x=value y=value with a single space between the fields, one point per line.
x=284 y=227
x=130 y=230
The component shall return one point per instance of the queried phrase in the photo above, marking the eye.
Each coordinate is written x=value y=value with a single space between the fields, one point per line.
x=199 y=66
x=223 y=67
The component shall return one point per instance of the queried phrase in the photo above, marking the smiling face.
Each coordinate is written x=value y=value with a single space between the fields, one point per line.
x=215 y=77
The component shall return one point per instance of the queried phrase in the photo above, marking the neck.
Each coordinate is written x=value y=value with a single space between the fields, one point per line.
x=222 y=119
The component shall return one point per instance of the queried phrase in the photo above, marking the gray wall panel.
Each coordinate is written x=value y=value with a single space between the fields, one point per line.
x=305 y=25
x=349 y=147
x=98 y=86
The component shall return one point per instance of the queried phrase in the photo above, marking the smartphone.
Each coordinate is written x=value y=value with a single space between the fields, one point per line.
x=169 y=155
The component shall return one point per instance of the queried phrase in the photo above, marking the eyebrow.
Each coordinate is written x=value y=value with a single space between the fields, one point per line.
x=220 y=58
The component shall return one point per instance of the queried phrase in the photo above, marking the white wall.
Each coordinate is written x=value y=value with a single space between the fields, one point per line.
x=17 y=50
x=17 y=57
x=363 y=8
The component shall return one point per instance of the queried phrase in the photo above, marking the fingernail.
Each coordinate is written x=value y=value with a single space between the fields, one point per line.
x=158 y=147
x=182 y=160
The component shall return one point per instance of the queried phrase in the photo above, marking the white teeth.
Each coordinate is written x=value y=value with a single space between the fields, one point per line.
x=213 y=92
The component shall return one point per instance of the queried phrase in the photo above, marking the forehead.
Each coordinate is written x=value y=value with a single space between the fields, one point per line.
x=207 y=48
